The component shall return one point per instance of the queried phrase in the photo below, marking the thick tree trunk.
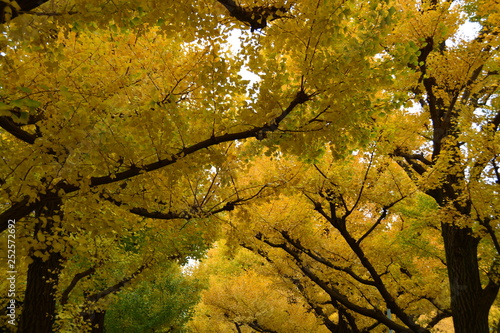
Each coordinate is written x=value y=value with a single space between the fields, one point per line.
x=96 y=320
x=43 y=276
x=39 y=299
x=469 y=313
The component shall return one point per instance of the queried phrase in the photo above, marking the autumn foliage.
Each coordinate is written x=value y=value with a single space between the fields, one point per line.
x=250 y=166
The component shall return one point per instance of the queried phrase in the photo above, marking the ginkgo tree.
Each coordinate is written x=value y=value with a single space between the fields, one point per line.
x=332 y=241
x=115 y=112
x=444 y=135
x=451 y=150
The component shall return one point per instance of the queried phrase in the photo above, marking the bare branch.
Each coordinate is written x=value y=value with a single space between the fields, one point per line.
x=194 y=211
x=335 y=294
x=486 y=222
x=324 y=261
x=116 y=287
x=390 y=301
x=363 y=183
x=382 y=216
x=411 y=160
x=74 y=281
x=437 y=318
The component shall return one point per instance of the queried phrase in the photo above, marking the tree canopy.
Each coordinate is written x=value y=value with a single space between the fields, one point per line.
x=312 y=166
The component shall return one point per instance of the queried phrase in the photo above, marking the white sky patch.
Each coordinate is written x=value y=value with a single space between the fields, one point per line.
x=469 y=30
x=247 y=75
x=234 y=41
x=235 y=47
x=466 y=32
x=190 y=266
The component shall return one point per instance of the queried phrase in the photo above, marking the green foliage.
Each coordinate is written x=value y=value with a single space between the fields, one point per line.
x=160 y=303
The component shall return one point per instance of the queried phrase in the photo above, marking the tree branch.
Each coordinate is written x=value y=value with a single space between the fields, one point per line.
x=367 y=264
x=257 y=17
x=193 y=212
x=382 y=216
x=116 y=287
x=318 y=258
x=335 y=294
x=411 y=158
x=72 y=285
x=10 y=126
x=133 y=171
x=437 y=318
x=259 y=328
x=12 y=9
x=363 y=183
x=490 y=292
x=21 y=209
x=486 y=223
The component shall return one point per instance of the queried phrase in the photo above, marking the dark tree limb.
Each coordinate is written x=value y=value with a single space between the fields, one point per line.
x=12 y=9
x=335 y=294
x=437 y=318
x=382 y=216
x=259 y=328
x=72 y=285
x=317 y=308
x=10 y=126
x=26 y=206
x=316 y=257
x=256 y=17
x=194 y=211
x=486 y=222
x=367 y=264
x=116 y=287
x=411 y=161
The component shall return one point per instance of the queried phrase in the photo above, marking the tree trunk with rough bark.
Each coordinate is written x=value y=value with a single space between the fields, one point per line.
x=39 y=305
x=469 y=313
x=39 y=301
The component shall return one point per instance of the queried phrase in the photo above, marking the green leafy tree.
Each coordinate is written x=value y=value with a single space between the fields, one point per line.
x=161 y=303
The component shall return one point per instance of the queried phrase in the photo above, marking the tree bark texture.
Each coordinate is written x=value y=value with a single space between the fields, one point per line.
x=39 y=305
x=469 y=313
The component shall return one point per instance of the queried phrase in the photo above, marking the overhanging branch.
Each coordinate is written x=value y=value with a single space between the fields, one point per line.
x=21 y=209
x=335 y=294
x=10 y=9
x=382 y=216
x=72 y=285
x=194 y=211
x=316 y=257
x=10 y=126
x=116 y=287
x=256 y=17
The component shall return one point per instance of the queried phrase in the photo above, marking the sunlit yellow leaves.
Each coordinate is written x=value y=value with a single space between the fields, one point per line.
x=488 y=13
x=279 y=226
x=420 y=22
x=124 y=99
x=344 y=191
x=248 y=297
